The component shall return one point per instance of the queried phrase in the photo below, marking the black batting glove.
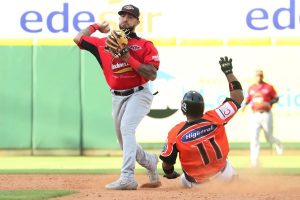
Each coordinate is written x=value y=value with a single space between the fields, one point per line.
x=226 y=65
x=173 y=175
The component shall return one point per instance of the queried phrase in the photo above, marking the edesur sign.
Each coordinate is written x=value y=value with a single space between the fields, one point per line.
x=32 y=21
x=262 y=19
x=259 y=18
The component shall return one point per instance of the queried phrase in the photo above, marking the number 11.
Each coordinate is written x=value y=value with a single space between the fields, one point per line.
x=204 y=153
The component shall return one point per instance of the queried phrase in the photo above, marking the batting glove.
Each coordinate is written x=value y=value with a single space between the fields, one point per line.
x=226 y=65
x=173 y=175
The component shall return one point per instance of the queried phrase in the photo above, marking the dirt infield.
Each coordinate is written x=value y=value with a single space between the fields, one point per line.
x=92 y=187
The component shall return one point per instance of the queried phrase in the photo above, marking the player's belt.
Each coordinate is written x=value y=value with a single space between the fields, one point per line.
x=261 y=111
x=127 y=92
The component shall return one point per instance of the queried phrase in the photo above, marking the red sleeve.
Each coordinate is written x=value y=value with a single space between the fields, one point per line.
x=273 y=92
x=151 y=55
x=89 y=42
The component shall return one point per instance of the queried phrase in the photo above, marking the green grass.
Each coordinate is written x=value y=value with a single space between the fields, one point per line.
x=289 y=162
x=33 y=194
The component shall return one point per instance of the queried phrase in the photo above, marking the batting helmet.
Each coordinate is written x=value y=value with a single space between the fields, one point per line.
x=192 y=104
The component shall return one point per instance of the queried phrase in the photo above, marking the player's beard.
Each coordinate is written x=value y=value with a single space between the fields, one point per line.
x=127 y=29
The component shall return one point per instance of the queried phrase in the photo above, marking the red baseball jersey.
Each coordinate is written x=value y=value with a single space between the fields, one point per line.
x=260 y=95
x=202 y=144
x=120 y=75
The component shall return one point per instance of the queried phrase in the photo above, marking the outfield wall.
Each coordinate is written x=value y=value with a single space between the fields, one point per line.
x=53 y=96
x=50 y=99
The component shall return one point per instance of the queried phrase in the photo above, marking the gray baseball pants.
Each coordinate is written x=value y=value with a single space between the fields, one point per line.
x=128 y=112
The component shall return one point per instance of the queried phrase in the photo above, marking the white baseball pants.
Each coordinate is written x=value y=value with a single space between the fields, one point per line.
x=227 y=175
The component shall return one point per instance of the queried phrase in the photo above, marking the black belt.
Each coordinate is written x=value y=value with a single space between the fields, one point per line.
x=128 y=92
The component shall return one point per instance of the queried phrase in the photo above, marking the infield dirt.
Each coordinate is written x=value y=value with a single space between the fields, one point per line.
x=247 y=187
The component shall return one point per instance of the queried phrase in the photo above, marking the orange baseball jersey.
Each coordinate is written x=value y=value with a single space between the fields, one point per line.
x=202 y=144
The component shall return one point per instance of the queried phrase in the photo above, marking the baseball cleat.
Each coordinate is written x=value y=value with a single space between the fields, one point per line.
x=279 y=149
x=122 y=184
x=152 y=171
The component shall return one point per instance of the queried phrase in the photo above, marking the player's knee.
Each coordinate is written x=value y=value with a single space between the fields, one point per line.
x=269 y=139
x=126 y=130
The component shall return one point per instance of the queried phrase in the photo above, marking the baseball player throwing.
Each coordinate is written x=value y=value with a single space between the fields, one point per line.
x=201 y=141
x=128 y=63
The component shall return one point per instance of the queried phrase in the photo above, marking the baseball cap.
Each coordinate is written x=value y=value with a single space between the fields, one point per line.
x=131 y=9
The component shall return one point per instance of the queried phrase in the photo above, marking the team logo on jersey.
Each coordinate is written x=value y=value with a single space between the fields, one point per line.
x=225 y=111
x=120 y=68
x=134 y=47
x=198 y=133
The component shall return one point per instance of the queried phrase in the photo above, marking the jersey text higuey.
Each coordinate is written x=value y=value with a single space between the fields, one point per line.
x=202 y=144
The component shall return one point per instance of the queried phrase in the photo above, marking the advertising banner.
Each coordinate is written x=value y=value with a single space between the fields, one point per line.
x=159 y=18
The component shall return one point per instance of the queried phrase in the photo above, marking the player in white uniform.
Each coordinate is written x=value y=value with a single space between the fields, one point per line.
x=261 y=96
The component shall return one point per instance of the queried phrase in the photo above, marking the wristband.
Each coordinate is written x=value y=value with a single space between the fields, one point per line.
x=228 y=71
x=133 y=63
x=92 y=28
x=169 y=171
x=235 y=85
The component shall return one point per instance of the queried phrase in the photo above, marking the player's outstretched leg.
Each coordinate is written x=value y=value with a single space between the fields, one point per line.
x=152 y=170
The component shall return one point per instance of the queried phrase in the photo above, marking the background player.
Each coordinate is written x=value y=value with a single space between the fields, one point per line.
x=128 y=78
x=201 y=141
x=262 y=96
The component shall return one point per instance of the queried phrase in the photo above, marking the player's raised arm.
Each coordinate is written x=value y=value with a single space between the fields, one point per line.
x=102 y=27
x=235 y=88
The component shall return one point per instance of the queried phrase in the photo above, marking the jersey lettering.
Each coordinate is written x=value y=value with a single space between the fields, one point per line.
x=203 y=152
x=202 y=144
x=216 y=147
x=120 y=75
x=198 y=133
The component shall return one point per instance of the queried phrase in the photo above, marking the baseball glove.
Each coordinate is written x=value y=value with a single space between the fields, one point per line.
x=116 y=43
